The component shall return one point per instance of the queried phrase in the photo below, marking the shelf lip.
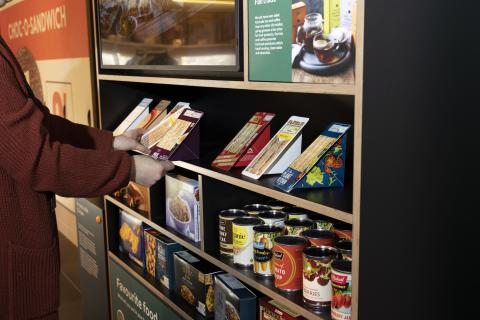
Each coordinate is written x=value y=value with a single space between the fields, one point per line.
x=291 y=199
x=222 y=265
x=324 y=88
x=150 y=287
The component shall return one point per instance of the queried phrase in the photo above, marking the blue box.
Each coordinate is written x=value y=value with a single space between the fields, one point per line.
x=131 y=237
x=233 y=298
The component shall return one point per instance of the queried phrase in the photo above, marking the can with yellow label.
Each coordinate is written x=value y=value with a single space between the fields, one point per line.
x=243 y=238
x=262 y=249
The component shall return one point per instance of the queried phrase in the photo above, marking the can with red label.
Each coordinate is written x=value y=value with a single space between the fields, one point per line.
x=317 y=287
x=319 y=238
x=225 y=229
x=287 y=262
x=341 y=278
x=343 y=230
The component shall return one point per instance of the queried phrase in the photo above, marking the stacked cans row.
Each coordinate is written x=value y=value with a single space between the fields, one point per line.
x=293 y=245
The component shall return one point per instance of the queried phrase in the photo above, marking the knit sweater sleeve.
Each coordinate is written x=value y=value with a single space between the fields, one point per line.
x=35 y=159
x=78 y=135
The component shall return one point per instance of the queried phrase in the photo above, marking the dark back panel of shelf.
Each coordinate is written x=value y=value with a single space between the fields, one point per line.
x=227 y=110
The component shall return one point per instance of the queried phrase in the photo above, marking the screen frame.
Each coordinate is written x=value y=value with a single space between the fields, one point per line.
x=233 y=72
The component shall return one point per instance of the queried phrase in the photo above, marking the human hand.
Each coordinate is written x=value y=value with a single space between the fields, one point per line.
x=147 y=171
x=130 y=140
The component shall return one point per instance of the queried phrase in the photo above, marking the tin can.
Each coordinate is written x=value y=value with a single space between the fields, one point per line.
x=243 y=240
x=273 y=217
x=317 y=287
x=225 y=232
x=276 y=204
x=295 y=212
x=287 y=262
x=321 y=222
x=264 y=236
x=295 y=226
x=318 y=238
x=344 y=247
x=254 y=209
x=341 y=290
x=343 y=230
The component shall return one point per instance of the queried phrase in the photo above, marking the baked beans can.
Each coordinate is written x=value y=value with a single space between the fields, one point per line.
x=321 y=222
x=273 y=217
x=254 y=209
x=295 y=226
x=264 y=236
x=225 y=232
x=343 y=230
x=341 y=278
x=294 y=212
x=317 y=287
x=318 y=238
x=276 y=204
x=287 y=262
x=243 y=239
x=344 y=247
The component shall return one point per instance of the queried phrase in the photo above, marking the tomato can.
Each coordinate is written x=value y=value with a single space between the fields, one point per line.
x=254 y=209
x=273 y=217
x=243 y=239
x=225 y=232
x=343 y=230
x=294 y=212
x=295 y=226
x=341 y=278
x=321 y=222
x=317 y=287
x=264 y=236
x=319 y=238
x=287 y=262
x=344 y=247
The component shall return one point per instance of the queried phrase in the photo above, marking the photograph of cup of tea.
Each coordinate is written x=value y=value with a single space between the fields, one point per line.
x=313 y=24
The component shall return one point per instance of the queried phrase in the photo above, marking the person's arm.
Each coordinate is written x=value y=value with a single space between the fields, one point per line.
x=33 y=158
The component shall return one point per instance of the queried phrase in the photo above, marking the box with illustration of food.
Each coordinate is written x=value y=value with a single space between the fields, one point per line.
x=131 y=237
x=273 y=310
x=233 y=300
x=194 y=281
x=159 y=251
x=183 y=206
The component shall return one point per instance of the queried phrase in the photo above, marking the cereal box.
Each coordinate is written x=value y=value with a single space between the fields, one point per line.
x=183 y=206
x=131 y=237
x=233 y=300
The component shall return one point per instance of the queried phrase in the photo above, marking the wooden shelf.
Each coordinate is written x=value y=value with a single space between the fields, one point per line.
x=332 y=202
x=182 y=308
x=265 y=286
x=340 y=89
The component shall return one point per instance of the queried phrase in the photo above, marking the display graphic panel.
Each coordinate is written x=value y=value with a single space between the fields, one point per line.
x=301 y=41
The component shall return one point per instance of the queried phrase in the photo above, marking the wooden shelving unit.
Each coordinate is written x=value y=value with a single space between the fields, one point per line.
x=322 y=102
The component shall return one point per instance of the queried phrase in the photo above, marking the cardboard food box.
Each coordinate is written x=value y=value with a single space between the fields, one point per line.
x=273 y=310
x=135 y=196
x=194 y=281
x=159 y=251
x=183 y=206
x=131 y=237
x=233 y=300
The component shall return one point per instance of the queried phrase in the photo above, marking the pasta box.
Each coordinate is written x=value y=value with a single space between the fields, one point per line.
x=159 y=251
x=183 y=206
x=131 y=237
x=233 y=300
x=273 y=310
x=194 y=281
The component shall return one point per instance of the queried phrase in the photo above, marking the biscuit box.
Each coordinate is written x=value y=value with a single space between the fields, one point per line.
x=183 y=206
x=131 y=237
x=273 y=310
x=194 y=281
x=159 y=251
x=233 y=300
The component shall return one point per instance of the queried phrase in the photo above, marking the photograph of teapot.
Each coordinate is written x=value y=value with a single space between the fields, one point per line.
x=311 y=36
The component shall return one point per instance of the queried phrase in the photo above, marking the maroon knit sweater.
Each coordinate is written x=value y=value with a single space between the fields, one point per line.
x=42 y=154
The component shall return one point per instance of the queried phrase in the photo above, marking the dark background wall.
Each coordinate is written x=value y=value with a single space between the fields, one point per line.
x=420 y=161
